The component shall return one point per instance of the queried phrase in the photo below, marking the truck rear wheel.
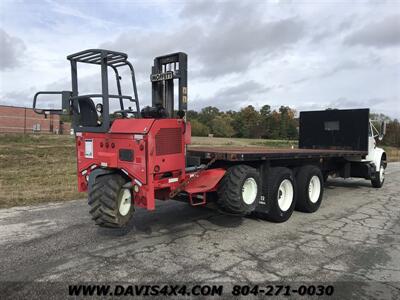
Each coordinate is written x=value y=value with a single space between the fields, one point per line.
x=281 y=193
x=111 y=204
x=310 y=187
x=379 y=179
x=240 y=190
x=325 y=176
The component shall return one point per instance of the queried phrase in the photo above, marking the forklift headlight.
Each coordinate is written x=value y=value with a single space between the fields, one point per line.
x=136 y=188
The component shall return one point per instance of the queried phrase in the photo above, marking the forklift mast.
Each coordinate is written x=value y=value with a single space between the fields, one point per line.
x=166 y=69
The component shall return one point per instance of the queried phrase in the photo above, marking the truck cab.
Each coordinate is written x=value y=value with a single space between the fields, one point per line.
x=376 y=155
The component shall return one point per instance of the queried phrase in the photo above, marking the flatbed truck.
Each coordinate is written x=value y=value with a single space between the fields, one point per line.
x=132 y=157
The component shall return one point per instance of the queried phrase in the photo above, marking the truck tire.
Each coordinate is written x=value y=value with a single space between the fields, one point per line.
x=325 y=176
x=310 y=188
x=281 y=195
x=111 y=204
x=239 y=190
x=379 y=179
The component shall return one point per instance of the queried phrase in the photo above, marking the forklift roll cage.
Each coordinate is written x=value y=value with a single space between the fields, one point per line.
x=104 y=58
x=166 y=69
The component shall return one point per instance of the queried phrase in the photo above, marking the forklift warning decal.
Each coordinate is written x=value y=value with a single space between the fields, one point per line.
x=162 y=76
x=89 y=148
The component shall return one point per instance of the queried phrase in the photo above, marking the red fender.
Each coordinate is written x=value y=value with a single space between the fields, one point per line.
x=206 y=182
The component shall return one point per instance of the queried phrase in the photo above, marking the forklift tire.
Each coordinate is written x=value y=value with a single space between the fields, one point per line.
x=111 y=204
x=239 y=190
x=310 y=188
x=379 y=179
x=281 y=191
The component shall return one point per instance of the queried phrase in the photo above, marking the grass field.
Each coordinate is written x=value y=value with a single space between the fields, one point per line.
x=201 y=141
x=42 y=168
x=36 y=169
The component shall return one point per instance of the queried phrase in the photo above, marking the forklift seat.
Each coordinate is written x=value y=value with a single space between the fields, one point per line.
x=88 y=113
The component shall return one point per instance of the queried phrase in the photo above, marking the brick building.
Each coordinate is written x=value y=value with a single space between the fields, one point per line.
x=24 y=120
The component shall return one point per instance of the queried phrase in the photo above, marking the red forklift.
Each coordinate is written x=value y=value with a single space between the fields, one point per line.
x=128 y=157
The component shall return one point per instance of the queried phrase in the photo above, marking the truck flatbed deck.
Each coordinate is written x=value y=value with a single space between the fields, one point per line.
x=264 y=153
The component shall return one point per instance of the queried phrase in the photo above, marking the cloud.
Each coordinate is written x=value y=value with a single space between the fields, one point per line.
x=23 y=97
x=332 y=30
x=233 y=96
x=199 y=9
x=232 y=43
x=11 y=50
x=237 y=46
x=218 y=39
x=79 y=15
x=379 y=34
x=242 y=89
x=339 y=67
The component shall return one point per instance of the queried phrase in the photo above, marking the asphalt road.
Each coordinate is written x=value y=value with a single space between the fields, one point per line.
x=355 y=236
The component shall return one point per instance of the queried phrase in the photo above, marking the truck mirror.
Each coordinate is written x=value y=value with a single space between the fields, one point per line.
x=46 y=106
x=382 y=130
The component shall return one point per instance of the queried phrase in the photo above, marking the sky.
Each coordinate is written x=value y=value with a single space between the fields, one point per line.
x=308 y=54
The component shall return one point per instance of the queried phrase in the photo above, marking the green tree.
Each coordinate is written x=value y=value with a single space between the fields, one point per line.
x=199 y=129
x=292 y=132
x=283 y=122
x=207 y=114
x=275 y=125
x=221 y=126
x=265 y=113
x=192 y=114
x=392 y=137
x=247 y=123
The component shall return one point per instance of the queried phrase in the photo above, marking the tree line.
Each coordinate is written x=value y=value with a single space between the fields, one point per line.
x=392 y=136
x=248 y=122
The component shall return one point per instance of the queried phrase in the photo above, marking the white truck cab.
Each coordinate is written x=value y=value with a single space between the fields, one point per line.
x=376 y=159
x=376 y=155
